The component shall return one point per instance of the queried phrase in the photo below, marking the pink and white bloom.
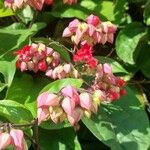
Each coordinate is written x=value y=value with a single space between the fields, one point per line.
x=68 y=105
x=72 y=93
x=47 y=99
x=18 y=140
x=5 y=140
x=76 y=116
x=85 y=100
x=92 y=19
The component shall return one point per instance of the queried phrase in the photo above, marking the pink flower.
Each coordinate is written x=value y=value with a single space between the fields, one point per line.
x=68 y=105
x=18 y=140
x=47 y=99
x=107 y=69
x=70 y=2
x=42 y=114
x=14 y=4
x=5 y=140
x=72 y=93
x=86 y=100
x=94 y=20
x=76 y=116
x=92 y=31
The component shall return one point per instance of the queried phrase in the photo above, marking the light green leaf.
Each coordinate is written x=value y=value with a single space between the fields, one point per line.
x=106 y=10
x=127 y=41
x=26 y=14
x=15 y=112
x=147 y=13
x=116 y=67
x=56 y=86
x=5 y=12
x=121 y=125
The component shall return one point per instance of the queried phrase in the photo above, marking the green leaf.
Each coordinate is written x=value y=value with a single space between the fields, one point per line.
x=82 y=9
x=26 y=14
x=147 y=13
x=127 y=41
x=8 y=70
x=25 y=89
x=56 y=86
x=61 y=49
x=120 y=11
x=15 y=36
x=63 y=139
x=121 y=125
x=15 y=112
x=49 y=125
x=5 y=12
x=2 y=86
x=146 y=69
x=116 y=67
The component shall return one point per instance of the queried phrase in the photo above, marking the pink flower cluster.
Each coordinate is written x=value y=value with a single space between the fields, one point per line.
x=110 y=86
x=14 y=138
x=73 y=104
x=92 y=31
x=63 y=71
x=68 y=103
x=37 y=57
x=36 y=4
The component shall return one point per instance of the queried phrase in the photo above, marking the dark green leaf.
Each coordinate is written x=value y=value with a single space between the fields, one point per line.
x=63 y=139
x=121 y=125
x=8 y=70
x=127 y=41
x=49 y=125
x=25 y=89
x=16 y=36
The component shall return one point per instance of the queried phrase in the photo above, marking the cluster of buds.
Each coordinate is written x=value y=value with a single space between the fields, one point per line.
x=36 y=4
x=110 y=86
x=69 y=103
x=84 y=55
x=14 y=138
x=62 y=71
x=37 y=57
x=92 y=31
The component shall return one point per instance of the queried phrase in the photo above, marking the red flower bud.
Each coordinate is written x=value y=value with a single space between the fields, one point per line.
x=42 y=65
